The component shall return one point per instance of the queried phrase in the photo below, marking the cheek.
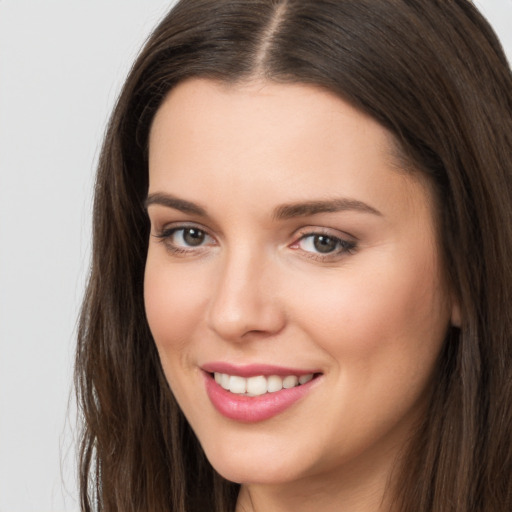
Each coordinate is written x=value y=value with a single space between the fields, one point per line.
x=173 y=301
x=383 y=333
x=390 y=313
x=174 y=304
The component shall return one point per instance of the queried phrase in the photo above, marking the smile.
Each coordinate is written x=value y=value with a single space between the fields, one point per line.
x=259 y=385
x=260 y=393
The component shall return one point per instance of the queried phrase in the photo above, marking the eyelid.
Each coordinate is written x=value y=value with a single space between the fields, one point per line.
x=348 y=243
x=321 y=230
x=166 y=232
x=174 y=226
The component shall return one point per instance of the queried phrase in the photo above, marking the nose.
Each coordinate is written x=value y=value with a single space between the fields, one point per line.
x=245 y=303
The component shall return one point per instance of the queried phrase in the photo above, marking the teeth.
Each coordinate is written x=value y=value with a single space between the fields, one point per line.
x=237 y=384
x=256 y=386
x=290 y=382
x=224 y=381
x=274 y=383
x=305 y=378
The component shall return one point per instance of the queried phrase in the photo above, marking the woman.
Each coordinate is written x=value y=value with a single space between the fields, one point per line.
x=301 y=291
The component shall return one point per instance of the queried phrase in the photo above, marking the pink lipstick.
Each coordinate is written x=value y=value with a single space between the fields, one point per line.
x=255 y=393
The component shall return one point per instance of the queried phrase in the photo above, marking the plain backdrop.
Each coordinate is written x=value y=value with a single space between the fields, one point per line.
x=62 y=63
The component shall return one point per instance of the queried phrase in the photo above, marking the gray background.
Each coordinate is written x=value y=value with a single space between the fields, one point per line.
x=62 y=63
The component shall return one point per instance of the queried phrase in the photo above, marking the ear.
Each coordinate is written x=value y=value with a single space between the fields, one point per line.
x=456 y=318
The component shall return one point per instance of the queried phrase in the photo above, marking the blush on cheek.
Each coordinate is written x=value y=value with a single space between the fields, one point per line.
x=172 y=305
x=394 y=313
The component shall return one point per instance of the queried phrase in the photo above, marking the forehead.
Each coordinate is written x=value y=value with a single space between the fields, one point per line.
x=272 y=140
x=259 y=104
x=262 y=119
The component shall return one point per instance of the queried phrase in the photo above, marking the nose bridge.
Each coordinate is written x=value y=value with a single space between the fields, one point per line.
x=244 y=299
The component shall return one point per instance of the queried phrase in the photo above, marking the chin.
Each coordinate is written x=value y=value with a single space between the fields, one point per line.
x=253 y=474
x=254 y=466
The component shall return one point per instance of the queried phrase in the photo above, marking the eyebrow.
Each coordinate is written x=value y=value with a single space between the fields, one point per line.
x=282 y=212
x=303 y=209
x=174 y=202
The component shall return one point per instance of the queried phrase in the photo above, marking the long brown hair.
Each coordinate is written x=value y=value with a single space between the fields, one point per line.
x=435 y=75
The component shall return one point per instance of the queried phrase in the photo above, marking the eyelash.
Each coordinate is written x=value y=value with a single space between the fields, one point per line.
x=342 y=246
x=166 y=235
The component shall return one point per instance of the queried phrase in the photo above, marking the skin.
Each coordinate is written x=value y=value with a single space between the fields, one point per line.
x=256 y=289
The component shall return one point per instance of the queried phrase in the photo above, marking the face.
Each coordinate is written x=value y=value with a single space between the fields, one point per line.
x=293 y=284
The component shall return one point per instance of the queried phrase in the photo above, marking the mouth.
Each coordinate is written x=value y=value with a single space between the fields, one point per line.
x=259 y=394
x=260 y=384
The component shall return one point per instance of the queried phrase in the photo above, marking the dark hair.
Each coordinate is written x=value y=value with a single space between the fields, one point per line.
x=435 y=75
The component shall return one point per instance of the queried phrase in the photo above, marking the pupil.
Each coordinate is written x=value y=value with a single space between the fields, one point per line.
x=324 y=244
x=193 y=236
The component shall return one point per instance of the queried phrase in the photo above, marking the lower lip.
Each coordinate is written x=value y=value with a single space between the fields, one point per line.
x=248 y=409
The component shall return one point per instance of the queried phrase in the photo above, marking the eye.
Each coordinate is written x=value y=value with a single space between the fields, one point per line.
x=320 y=245
x=188 y=237
x=185 y=239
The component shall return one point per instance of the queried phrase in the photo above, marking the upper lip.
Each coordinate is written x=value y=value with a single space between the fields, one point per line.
x=253 y=370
